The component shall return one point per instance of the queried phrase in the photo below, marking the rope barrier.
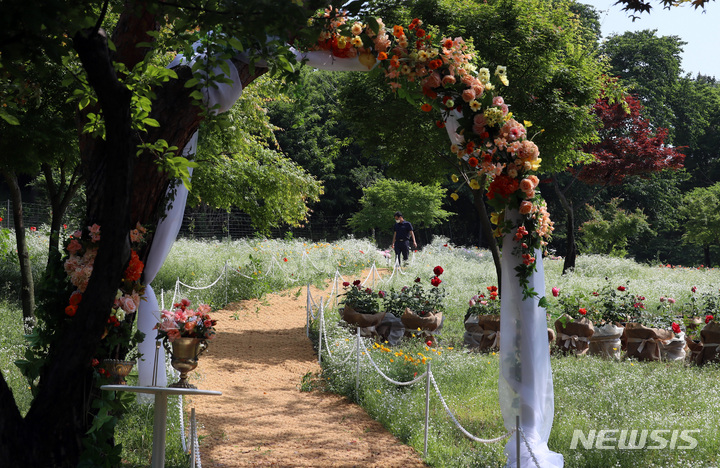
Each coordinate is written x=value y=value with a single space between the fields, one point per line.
x=459 y=426
x=394 y=382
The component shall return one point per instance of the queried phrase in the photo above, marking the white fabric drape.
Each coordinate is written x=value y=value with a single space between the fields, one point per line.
x=149 y=312
x=225 y=96
x=324 y=60
x=526 y=386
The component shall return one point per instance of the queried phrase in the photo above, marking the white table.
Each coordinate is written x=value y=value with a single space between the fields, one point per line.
x=160 y=420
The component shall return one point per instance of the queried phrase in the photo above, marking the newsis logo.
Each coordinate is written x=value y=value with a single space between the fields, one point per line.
x=624 y=439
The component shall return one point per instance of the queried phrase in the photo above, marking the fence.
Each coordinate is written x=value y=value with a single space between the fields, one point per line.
x=203 y=222
x=315 y=312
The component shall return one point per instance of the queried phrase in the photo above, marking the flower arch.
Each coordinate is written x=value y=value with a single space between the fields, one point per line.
x=493 y=149
x=494 y=153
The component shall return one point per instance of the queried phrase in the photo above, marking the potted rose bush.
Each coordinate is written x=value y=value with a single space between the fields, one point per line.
x=425 y=309
x=361 y=306
x=482 y=320
x=574 y=328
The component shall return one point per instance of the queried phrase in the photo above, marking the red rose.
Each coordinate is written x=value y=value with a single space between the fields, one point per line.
x=473 y=162
x=693 y=289
x=428 y=342
x=71 y=310
x=438 y=270
x=381 y=293
x=555 y=292
x=708 y=318
x=582 y=311
x=676 y=328
x=356 y=283
x=417 y=280
x=345 y=284
x=95 y=362
x=621 y=288
x=435 y=281
x=368 y=290
x=284 y=259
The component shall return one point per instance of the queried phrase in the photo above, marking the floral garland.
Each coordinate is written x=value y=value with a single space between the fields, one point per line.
x=493 y=149
x=81 y=249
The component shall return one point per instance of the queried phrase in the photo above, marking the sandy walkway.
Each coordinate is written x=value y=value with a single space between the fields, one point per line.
x=262 y=419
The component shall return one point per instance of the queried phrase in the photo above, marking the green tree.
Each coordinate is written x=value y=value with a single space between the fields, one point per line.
x=610 y=230
x=130 y=102
x=701 y=220
x=419 y=203
x=649 y=67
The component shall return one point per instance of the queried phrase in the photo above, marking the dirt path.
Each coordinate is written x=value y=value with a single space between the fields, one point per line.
x=262 y=418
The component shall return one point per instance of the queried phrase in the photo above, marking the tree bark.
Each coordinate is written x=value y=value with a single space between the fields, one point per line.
x=27 y=285
x=706 y=255
x=60 y=194
x=479 y=201
x=571 y=253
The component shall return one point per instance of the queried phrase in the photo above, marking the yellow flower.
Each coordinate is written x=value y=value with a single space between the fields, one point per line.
x=475 y=105
x=495 y=218
x=454 y=178
x=454 y=196
x=527 y=123
x=474 y=184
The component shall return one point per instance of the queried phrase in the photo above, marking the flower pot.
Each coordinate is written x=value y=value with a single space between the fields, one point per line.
x=605 y=341
x=573 y=335
x=184 y=354
x=710 y=338
x=643 y=343
x=482 y=332
x=359 y=319
x=674 y=349
x=118 y=370
x=413 y=321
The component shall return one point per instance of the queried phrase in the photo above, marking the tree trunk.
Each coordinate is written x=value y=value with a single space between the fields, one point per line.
x=52 y=431
x=121 y=190
x=27 y=285
x=706 y=255
x=479 y=201
x=571 y=253
x=60 y=194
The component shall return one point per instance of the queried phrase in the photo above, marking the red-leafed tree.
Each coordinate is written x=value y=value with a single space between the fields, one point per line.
x=628 y=146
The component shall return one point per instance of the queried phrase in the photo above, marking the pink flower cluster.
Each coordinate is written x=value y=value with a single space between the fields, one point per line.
x=184 y=322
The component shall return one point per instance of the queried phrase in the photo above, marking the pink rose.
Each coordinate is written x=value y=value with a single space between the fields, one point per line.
x=555 y=292
x=526 y=185
x=498 y=101
x=448 y=80
x=468 y=95
x=128 y=304
x=525 y=207
x=173 y=334
x=74 y=246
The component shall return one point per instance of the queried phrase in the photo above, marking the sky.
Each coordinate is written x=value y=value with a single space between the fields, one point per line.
x=700 y=30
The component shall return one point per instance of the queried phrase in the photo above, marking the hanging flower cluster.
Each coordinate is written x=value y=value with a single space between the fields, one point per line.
x=81 y=251
x=492 y=148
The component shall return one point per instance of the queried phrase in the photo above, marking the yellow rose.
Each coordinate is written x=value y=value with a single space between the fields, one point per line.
x=454 y=196
x=454 y=178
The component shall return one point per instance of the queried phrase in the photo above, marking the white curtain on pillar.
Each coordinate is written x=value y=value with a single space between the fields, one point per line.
x=149 y=312
x=526 y=386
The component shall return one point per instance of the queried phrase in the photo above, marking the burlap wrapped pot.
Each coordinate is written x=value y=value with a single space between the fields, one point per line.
x=573 y=335
x=482 y=332
x=710 y=338
x=643 y=343
x=413 y=321
x=605 y=341
x=359 y=319
x=674 y=349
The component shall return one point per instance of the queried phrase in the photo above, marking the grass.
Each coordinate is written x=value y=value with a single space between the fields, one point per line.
x=590 y=393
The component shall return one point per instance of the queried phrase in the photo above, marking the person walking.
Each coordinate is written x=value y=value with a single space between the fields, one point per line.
x=403 y=233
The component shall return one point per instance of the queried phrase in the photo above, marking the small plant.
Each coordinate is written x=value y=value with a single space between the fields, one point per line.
x=484 y=303
x=415 y=298
x=363 y=300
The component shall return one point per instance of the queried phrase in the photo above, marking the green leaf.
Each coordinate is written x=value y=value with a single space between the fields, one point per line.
x=151 y=122
x=192 y=82
x=11 y=119
x=236 y=44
